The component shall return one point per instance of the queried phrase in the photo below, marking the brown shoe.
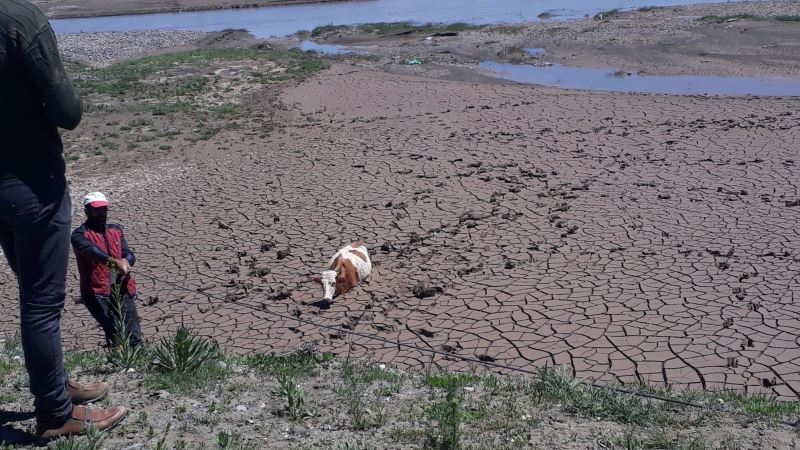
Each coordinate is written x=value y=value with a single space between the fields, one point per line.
x=82 y=394
x=82 y=417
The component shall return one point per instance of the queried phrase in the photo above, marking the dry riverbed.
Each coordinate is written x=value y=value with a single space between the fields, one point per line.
x=627 y=238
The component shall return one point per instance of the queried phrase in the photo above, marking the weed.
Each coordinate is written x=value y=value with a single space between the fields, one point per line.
x=448 y=414
x=13 y=346
x=408 y=435
x=123 y=354
x=91 y=441
x=759 y=404
x=184 y=353
x=357 y=377
x=162 y=441
x=295 y=365
x=295 y=398
x=5 y=369
x=226 y=441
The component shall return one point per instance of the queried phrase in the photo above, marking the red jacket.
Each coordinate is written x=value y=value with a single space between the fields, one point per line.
x=92 y=250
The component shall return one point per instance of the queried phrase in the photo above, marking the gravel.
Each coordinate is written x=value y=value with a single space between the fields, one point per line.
x=104 y=48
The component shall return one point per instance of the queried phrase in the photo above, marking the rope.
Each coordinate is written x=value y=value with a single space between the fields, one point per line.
x=433 y=351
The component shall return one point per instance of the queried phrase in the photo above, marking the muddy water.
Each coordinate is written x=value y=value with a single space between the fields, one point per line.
x=286 y=20
x=613 y=80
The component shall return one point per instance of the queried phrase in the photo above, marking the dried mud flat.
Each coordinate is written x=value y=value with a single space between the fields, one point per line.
x=626 y=237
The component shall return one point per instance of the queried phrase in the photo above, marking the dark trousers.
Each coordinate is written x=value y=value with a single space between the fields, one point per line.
x=34 y=234
x=103 y=310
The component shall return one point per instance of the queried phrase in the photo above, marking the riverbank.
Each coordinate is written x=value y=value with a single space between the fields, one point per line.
x=67 y=9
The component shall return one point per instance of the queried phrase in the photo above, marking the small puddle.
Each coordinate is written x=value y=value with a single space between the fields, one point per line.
x=534 y=52
x=330 y=49
x=616 y=81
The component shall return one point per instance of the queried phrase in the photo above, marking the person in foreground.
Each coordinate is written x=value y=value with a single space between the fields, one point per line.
x=98 y=245
x=36 y=97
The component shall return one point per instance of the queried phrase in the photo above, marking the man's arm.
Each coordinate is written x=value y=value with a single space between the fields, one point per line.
x=82 y=245
x=62 y=104
x=127 y=253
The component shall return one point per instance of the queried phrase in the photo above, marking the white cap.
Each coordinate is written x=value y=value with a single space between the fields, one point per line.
x=95 y=200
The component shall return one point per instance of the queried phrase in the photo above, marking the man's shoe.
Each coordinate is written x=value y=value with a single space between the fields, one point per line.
x=87 y=393
x=83 y=417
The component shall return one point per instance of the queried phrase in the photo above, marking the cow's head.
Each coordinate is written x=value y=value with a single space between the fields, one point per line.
x=328 y=281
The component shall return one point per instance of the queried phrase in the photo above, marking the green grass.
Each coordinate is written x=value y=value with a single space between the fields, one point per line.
x=296 y=365
x=87 y=361
x=203 y=379
x=6 y=368
x=385 y=28
x=758 y=404
x=721 y=19
x=128 y=77
x=660 y=439
x=606 y=15
x=325 y=29
x=12 y=347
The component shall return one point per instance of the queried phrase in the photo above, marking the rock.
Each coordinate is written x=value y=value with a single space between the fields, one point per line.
x=162 y=394
x=133 y=384
x=222 y=365
x=130 y=370
x=136 y=446
x=241 y=408
x=299 y=431
x=262 y=405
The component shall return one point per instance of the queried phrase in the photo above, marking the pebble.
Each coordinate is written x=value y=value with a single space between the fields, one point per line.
x=262 y=405
x=103 y=48
x=135 y=446
x=241 y=408
x=222 y=365
x=131 y=370
x=299 y=431
x=163 y=394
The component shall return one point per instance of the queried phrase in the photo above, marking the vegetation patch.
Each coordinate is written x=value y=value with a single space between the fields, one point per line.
x=218 y=88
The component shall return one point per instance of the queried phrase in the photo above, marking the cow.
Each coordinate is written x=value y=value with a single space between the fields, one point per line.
x=348 y=267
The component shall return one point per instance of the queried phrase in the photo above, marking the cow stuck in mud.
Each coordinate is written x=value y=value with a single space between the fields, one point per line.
x=348 y=267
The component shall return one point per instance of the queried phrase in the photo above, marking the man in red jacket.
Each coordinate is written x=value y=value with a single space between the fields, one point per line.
x=98 y=246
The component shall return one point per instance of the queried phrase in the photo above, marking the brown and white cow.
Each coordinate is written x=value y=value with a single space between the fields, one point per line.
x=348 y=267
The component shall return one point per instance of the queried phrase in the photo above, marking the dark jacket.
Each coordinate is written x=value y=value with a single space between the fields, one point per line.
x=36 y=95
x=92 y=251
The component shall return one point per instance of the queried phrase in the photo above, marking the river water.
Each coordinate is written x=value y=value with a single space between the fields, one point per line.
x=286 y=20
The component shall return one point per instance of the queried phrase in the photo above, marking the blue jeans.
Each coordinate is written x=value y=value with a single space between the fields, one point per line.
x=34 y=234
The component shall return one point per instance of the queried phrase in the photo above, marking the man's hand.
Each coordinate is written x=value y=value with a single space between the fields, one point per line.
x=122 y=266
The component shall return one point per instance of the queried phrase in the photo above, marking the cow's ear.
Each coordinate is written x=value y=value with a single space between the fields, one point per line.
x=316 y=279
